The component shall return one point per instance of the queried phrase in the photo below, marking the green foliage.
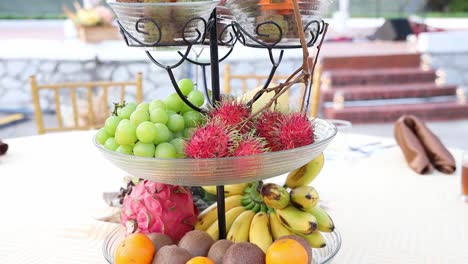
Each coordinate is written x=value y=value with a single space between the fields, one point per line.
x=15 y=16
x=437 y=5
x=448 y=14
x=458 y=6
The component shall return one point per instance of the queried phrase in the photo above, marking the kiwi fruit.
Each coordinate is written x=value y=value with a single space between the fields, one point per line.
x=171 y=255
x=244 y=253
x=303 y=243
x=218 y=250
x=160 y=240
x=197 y=243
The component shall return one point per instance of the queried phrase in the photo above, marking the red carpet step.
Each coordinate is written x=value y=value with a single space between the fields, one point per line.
x=379 y=77
x=373 y=62
x=375 y=92
x=390 y=113
x=381 y=88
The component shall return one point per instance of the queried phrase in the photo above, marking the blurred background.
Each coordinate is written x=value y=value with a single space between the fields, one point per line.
x=381 y=59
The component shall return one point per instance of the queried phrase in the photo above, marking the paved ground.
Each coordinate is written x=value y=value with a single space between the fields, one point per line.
x=453 y=134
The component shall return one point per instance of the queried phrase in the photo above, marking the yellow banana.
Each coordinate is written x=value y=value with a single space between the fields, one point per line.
x=239 y=231
x=229 y=190
x=275 y=196
x=324 y=221
x=297 y=220
x=315 y=239
x=259 y=232
x=305 y=174
x=304 y=197
x=277 y=229
x=231 y=215
x=210 y=214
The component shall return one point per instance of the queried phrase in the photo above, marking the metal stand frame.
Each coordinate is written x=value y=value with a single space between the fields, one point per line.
x=236 y=33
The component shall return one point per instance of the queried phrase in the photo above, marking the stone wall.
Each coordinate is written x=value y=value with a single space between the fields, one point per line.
x=15 y=90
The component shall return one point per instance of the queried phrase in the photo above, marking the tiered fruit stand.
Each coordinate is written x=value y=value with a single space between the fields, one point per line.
x=201 y=23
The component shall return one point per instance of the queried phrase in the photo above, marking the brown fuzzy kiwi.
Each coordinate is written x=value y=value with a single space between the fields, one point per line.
x=218 y=250
x=160 y=240
x=244 y=253
x=197 y=243
x=303 y=243
x=171 y=255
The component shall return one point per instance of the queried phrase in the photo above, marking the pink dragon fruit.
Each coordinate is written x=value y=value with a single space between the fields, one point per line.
x=160 y=208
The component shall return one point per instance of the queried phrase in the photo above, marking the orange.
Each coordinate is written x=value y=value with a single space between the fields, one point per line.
x=200 y=260
x=135 y=249
x=286 y=251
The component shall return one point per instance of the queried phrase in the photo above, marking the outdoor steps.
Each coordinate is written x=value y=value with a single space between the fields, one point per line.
x=381 y=88
x=354 y=77
x=442 y=111
x=379 y=92
x=411 y=60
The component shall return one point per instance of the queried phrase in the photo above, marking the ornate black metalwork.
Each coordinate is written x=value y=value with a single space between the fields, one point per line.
x=207 y=63
x=179 y=92
x=314 y=35
x=221 y=42
x=200 y=36
x=132 y=41
x=205 y=86
x=232 y=37
x=242 y=34
x=139 y=25
x=236 y=34
x=275 y=65
x=184 y=57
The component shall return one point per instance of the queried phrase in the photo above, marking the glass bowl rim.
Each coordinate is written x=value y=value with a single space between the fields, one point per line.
x=269 y=154
x=338 y=246
x=117 y=229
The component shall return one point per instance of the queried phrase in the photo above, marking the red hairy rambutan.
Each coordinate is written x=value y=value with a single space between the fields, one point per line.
x=266 y=126
x=213 y=140
x=295 y=130
x=249 y=145
x=233 y=114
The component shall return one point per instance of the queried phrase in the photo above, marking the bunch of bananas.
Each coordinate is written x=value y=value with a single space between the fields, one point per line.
x=260 y=214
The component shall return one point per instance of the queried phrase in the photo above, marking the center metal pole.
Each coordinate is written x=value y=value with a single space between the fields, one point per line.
x=214 y=60
x=216 y=97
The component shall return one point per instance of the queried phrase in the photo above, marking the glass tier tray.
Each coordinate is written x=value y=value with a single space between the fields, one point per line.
x=320 y=255
x=266 y=23
x=222 y=171
x=164 y=23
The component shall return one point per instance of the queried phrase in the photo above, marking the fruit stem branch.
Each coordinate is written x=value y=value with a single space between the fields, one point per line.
x=314 y=64
x=300 y=29
x=279 y=90
x=303 y=71
x=305 y=51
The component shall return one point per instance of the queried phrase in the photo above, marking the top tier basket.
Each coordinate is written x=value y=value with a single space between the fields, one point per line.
x=255 y=23
x=164 y=24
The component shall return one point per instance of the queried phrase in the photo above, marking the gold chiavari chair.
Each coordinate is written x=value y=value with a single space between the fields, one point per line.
x=260 y=79
x=94 y=106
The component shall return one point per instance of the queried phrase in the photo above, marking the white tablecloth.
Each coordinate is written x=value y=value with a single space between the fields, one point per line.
x=52 y=188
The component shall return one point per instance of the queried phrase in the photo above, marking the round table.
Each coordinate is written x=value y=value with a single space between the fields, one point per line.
x=52 y=189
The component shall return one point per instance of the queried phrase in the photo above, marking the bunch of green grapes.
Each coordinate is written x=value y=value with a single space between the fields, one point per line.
x=155 y=129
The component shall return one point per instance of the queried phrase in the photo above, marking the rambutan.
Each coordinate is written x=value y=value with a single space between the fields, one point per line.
x=249 y=145
x=295 y=130
x=232 y=114
x=266 y=126
x=213 y=140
